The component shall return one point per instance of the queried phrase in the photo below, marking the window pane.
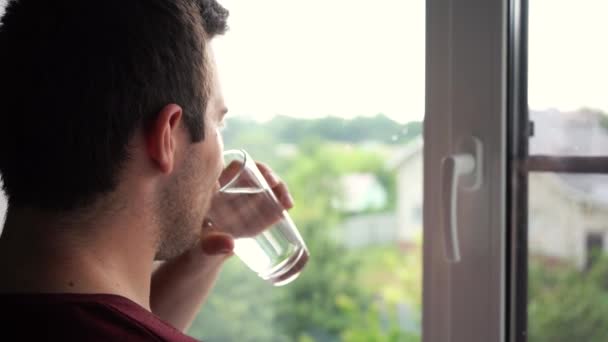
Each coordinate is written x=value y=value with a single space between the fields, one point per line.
x=568 y=266
x=568 y=213
x=567 y=77
x=330 y=94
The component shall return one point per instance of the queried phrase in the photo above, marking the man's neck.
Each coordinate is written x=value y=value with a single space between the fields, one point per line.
x=39 y=254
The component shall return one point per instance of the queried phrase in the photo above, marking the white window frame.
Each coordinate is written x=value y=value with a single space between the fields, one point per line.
x=466 y=82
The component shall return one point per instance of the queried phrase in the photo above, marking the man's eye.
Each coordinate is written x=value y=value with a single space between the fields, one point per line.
x=222 y=125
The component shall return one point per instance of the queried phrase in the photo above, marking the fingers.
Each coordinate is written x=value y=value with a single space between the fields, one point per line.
x=282 y=193
x=230 y=172
x=247 y=214
x=271 y=178
x=244 y=215
x=215 y=243
x=277 y=185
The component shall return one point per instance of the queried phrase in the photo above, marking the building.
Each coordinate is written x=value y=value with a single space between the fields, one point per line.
x=409 y=167
x=568 y=213
x=404 y=226
x=361 y=192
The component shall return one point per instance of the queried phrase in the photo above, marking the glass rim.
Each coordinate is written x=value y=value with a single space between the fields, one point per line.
x=236 y=176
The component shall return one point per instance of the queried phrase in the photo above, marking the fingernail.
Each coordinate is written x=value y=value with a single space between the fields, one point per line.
x=217 y=244
x=290 y=200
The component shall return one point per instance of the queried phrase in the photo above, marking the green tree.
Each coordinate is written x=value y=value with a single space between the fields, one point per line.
x=349 y=160
x=309 y=305
x=370 y=328
x=245 y=308
x=291 y=130
x=567 y=304
x=239 y=309
x=257 y=311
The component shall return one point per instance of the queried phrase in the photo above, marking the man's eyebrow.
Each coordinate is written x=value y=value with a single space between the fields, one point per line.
x=223 y=112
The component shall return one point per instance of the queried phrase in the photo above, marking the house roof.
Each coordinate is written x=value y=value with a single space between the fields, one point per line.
x=580 y=133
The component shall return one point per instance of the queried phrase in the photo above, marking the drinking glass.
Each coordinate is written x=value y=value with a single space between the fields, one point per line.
x=266 y=238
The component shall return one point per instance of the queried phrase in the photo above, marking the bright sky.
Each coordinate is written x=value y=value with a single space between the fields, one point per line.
x=359 y=57
x=568 y=48
x=312 y=58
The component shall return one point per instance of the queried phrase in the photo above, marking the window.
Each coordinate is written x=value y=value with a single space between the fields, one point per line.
x=331 y=95
x=511 y=97
x=559 y=223
x=465 y=169
x=594 y=246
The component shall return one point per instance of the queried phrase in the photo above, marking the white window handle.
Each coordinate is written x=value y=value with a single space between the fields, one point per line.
x=463 y=170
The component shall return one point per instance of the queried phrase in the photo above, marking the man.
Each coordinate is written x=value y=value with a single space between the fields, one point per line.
x=110 y=153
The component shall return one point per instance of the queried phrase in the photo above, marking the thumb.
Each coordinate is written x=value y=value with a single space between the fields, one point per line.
x=215 y=243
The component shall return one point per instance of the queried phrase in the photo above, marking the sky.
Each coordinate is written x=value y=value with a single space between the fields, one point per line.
x=312 y=58
x=323 y=57
x=568 y=54
x=355 y=57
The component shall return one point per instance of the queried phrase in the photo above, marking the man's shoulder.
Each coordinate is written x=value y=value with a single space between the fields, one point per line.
x=90 y=317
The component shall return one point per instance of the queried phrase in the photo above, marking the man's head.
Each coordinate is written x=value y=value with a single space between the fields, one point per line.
x=84 y=82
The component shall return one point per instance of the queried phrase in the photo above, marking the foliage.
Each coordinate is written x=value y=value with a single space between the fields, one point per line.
x=591 y=112
x=333 y=299
x=353 y=295
x=306 y=308
x=394 y=273
x=238 y=309
x=288 y=130
x=396 y=278
x=370 y=328
x=310 y=307
x=567 y=304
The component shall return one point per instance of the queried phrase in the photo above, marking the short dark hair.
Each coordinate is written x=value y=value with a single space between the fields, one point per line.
x=78 y=77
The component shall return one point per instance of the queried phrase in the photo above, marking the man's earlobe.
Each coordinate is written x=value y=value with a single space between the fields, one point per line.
x=161 y=137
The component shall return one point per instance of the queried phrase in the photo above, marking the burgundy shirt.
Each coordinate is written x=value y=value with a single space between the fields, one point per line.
x=81 y=317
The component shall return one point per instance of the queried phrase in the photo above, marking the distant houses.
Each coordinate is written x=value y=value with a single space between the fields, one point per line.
x=568 y=216
x=361 y=197
x=365 y=230
x=407 y=163
x=568 y=213
x=360 y=192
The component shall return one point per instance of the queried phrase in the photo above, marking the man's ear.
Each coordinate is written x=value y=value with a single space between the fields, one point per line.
x=162 y=137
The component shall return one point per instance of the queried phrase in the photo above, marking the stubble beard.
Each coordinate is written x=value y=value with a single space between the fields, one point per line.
x=180 y=209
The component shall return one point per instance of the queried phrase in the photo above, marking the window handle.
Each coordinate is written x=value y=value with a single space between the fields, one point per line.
x=461 y=170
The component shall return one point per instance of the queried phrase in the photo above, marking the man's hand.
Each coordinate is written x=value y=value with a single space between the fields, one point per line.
x=181 y=285
x=243 y=214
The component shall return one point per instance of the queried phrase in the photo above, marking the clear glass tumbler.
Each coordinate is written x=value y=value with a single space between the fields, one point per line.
x=266 y=239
